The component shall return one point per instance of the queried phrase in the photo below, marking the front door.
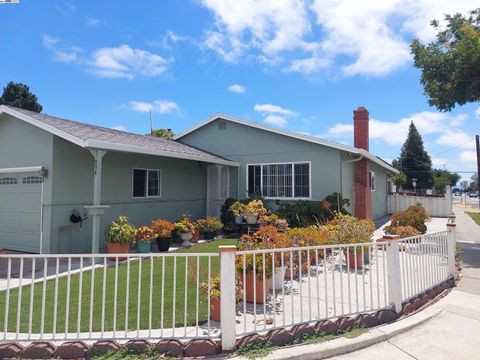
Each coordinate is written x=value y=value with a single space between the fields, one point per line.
x=218 y=183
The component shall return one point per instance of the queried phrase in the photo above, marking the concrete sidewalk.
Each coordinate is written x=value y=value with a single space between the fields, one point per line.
x=452 y=334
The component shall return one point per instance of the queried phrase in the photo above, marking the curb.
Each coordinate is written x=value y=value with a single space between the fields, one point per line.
x=376 y=335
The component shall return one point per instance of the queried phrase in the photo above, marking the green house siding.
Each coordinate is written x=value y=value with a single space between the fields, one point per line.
x=183 y=190
x=248 y=145
x=379 y=196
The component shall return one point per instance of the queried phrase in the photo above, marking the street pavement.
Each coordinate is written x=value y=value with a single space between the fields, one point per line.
x=455 y=332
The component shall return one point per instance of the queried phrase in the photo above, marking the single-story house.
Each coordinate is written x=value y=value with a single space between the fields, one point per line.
x=52 y=168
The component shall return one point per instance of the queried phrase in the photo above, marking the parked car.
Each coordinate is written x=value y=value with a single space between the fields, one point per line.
x=473 y=194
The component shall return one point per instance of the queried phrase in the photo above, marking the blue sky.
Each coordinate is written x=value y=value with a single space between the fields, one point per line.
x=300 y=65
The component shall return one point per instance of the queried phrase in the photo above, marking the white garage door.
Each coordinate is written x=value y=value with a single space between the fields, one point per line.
x=20 y=199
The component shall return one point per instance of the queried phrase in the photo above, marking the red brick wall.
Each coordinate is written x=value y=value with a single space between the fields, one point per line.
x=363 y=195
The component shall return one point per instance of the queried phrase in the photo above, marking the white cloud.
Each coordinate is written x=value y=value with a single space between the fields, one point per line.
x=156 y=106
x=274 y=114
x=367 y=38
x=120 y=128
x=276 y=120
x=477 y=112
x=456 y=139
x=92 y=21
x=125 y=62
x=166 y=40
x=237 y=89
x=469 y=159
x=274 y=109
x=342 y=129
x=114 y=62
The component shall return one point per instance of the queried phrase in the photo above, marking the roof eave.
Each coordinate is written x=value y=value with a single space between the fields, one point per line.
x=104 y=145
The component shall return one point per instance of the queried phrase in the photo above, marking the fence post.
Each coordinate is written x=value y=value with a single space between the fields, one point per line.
x=393 y=272
x=227 y=297
x=451 y=245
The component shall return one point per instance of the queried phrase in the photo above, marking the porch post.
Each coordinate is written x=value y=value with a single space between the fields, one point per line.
x=96 y=210
x=219 y=189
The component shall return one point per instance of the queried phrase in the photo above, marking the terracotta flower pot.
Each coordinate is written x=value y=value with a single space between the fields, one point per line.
x=291 y=274
x=215 y=309
x=117 y=248
x=250 y=284
x=350 y=258
x=196 y=236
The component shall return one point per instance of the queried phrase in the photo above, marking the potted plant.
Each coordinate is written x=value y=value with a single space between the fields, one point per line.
x=254 y=211
x=237 y=210
x=347 y=229
x=163 y=229
x=214 y=296
x=185 y=228
x=209 y=225
x=143 y=238
x=120 y=234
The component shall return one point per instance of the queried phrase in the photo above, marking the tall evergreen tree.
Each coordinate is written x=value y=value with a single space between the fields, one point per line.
x=414 y=161
x=19 y=95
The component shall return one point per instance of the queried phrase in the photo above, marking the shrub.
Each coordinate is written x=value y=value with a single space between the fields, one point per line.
x=237 y=208
x=257 y=207
x=209 y=224
x=310 y=236
x=306 y=213
x=347 y=229
x=414 y=216
x=120 y=231
x=226 y=215
x=402 y=231
x=163 y=228
x=144 y=233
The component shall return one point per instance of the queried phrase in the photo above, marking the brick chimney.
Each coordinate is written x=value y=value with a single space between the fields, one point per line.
x=363 y=194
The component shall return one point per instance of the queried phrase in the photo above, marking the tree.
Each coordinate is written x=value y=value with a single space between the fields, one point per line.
x=163 y=133
x=451 y=64
x=442 y=178
x=19 y=95
x=399 y=179
x=414 y=161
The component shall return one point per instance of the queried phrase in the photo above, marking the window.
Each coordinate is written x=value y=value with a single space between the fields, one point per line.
x=32 y=180
x=283 y=180
x=372 y=181
x=8 y=181
x=146 y=183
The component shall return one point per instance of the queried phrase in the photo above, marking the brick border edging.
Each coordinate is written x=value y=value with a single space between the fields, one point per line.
x=207 y=347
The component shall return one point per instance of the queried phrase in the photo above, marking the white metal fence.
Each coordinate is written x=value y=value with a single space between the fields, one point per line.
x=66 y=297
x=435 y=206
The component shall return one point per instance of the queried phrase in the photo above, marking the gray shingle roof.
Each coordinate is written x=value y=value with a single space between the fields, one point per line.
x=87 y=132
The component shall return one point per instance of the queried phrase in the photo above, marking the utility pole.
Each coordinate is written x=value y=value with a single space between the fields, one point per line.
x=478 y=167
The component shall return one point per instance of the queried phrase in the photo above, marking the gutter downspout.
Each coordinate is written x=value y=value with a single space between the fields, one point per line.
x=341 y=176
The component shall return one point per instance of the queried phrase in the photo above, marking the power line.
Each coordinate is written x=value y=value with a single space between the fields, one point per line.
x=456 y=146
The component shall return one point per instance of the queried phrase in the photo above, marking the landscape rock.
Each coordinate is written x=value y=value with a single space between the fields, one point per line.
x=344 y=323
x=169 y=347
x=280 y=337
x=39 y=350
x=103 y=347
x=10 y=350
x=386 y=316
x=366 y=320
x=71 y=350
x=302 y=330
x=138 y=346
x=326 y=326
x=200 y=347
x=250 y=339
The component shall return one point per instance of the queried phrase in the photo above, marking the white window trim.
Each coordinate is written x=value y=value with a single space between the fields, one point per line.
x=372 y=181
x=293 y=179
x=160 y=178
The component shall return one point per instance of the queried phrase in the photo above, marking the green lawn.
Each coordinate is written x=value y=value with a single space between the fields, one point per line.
x=95 y=312
x=475 y=216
